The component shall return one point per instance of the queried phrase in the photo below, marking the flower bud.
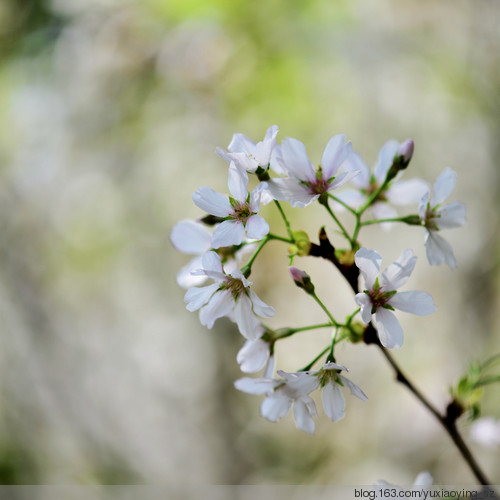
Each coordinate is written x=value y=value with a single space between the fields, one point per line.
x=302 y=280
x=405 y=151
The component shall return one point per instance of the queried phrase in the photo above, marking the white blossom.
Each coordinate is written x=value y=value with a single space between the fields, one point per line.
x=486 y=431
x=305 y=184
x=435 y=216
x=381 y=296
x=397 y=192
x=230 y=295
x=240 y=211
x=292 y=390
x=247 y=154
x=253 y=356
x=423 y=480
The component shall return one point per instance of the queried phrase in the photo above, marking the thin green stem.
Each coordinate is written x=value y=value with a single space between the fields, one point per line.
x=351 y=316
x=272 y=236
x=327 y=312
x=487 y=380
x=285 y=220
x=287 y=332
x=309 y=366
x=337 y=221
x=380 y=221
x=343 y=203
x=247 y=268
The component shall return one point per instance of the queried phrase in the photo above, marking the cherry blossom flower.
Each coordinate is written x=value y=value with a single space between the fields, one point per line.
x=381 y=296
x=248 y=155
x=304 y=184
x=230 y=295
x=486 y=431
x=254 y=355
x=397 y=192
x=194 y=238
x=282 y=394
x=239 y=211
x=423 y=480
x=435 y=217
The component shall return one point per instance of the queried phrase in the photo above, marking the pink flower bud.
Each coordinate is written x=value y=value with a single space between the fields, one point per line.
x=302 y=279
x=406 y=150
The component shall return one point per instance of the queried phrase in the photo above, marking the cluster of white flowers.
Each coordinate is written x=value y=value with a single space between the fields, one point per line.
x=284 y=172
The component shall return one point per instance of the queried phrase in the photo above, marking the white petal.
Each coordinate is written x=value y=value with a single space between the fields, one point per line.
x=423 y=479
x=368 y=262
x=255 y=385
x=264 y=149
x=212 y=202
x=336 y=152
x=247 y=322
x=291 y=190
x=241 y=144
x=397 y=274
x=355 y=390
x=350 y=197
x=277 y=163
x=211 y=262
x=186 y=279
x=385 y=158
x=256 y=227
x=253 y=355
x=237 y=182
x=450 y=216
x=364 y=301
x=422 y=207
x=303 y=417
x=389 y=330
x=333 y=401
x=296 y=160
x=219 y=305
x=227 y=233
x=299 y=384
x=354 y=163
x=444 y=186
x=241 y=160
x=342 y=179
x=275 y=406
x=407 y=192
x=260 y=307
x=334 y=366
x=438 y=250
x=197 y=297
x=419 y=303
x=190 y=237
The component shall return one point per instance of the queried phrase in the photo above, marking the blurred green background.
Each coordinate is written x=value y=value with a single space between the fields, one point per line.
x=110 y=112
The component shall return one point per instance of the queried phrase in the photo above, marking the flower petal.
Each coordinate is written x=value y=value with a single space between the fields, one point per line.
x=190 y=237
x=237 y=182
x=211 y=262
x=260 y=307
x=354 y=163
x=333 y=401
x=227 y=233
x=241 y=144
x=350 y=197
x=219 y=305
x=212 y=202
x=256 y=227
x=450 y=216
x=303 y=418
x=253 y=355
x=397 y=274
x=197 y=297
x=368 y=262
x=444 y=186
x=185 y=278
x=291 y=190
x=275 y=406
x=438 y=250
x=364 y=301
x=422 y=207
x=407 y=192
x=389 y=330
x=246 y=320
x=355 y=390
x=336 y=152
x=264 y=148
x=419 y=303
x=385 y=158
x=296 y=160
x=255 y=385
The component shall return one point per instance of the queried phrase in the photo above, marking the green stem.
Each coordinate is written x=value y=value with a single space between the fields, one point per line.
x=272 y=236
x=335 y=218
x=350 y=317
x=247 y=268
x=285 y=220
x=327 y=312
x=380 y=221
x=487 y=381
x=308 y=367
x=490 y=361
x=287 y=332
x=343 y=203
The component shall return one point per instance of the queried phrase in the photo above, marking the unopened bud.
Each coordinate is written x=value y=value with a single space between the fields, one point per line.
x=302 y=280
x=401 y=159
